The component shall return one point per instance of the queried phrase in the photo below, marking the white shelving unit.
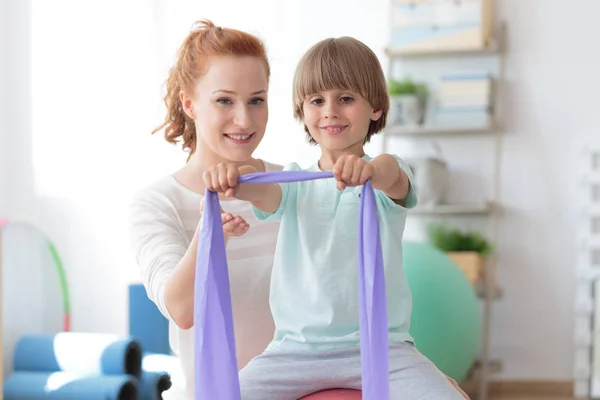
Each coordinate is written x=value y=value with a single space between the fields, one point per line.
x=493 y=47
x=420 y=131
x=586 y=372
x=488 y=290
x=456 y=209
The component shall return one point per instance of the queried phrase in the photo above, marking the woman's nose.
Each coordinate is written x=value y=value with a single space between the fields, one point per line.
x=242 y=117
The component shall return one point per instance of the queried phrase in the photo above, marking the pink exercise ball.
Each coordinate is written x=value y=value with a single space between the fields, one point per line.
x=335 y=394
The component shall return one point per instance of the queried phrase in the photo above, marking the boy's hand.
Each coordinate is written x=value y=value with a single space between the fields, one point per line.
x=233 y=225
x=222 y=178
x=351 y=170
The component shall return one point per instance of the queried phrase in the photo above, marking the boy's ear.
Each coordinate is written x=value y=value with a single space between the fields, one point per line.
x=376 y=114
x=186 y=104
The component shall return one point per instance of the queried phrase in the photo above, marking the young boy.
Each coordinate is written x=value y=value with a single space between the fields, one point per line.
x=340 y=95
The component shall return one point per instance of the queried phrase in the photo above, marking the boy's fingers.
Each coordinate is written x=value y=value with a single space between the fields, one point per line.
x=338 y=168
x=347 y=172
x=364 y=175
x=356 y=174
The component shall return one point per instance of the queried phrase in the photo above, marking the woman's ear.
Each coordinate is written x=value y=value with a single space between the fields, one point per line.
x=187 y=105
x=376 y=114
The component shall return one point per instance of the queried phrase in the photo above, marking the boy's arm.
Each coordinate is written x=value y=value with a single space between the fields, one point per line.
x=390 y=178
x=265 y=197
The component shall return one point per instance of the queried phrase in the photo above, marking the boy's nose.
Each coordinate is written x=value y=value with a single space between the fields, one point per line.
x=330 y=112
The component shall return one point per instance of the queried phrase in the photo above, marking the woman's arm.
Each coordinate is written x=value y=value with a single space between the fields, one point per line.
x=168 y=267
x=158 y=245
x=179 y=287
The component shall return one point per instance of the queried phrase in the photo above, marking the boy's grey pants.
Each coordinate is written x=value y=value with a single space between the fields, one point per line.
x=289 y=375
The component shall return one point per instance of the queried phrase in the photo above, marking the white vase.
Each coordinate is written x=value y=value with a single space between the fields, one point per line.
x=430 y=179
x=405 y=110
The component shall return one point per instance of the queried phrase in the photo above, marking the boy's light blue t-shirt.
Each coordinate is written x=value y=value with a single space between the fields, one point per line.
x=314 y=285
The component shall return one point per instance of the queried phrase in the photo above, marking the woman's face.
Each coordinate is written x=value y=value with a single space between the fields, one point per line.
x=229 y=107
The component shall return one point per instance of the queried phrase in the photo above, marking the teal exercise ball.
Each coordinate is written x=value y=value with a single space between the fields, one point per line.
x=446 y=316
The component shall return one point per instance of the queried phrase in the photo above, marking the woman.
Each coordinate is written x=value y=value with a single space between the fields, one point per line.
x=217 y=108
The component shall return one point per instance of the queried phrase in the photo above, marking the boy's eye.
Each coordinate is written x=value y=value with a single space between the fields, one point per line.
x=257 y=101
x=224 y=100
x=316 y=101
x=346 y=99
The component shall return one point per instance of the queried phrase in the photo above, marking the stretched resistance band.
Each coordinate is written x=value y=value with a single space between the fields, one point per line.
x=216 y=374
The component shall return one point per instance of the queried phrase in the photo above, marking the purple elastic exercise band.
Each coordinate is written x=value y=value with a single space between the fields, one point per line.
x=216 y=373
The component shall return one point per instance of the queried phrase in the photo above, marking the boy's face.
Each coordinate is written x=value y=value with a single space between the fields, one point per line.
x=339 y=119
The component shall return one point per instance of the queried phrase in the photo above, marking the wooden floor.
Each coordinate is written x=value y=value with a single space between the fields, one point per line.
x=529 y=398
x=525 y=390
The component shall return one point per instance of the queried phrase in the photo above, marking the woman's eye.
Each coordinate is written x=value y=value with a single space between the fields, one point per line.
x=224 y=100
x=257 y=101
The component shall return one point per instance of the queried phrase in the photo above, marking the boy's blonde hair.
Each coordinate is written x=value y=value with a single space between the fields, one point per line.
x=341 y=63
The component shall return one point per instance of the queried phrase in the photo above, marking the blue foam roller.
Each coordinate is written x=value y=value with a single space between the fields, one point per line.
x=69 y=386
x=81 y=353
x=146 y=324
x=152 y=384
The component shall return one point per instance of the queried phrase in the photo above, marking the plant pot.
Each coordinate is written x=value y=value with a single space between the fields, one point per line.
x=405 y=110
x=470 y=263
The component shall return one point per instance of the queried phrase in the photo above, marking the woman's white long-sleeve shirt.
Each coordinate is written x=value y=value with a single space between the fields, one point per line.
x=164 y=217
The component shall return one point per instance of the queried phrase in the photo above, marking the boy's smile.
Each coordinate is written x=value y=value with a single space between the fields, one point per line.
x=334 y=129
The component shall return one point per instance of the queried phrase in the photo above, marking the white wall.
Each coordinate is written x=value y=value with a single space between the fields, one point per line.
x=14 y=67
x=550 y=107
x=96 y=90
x=4 y=43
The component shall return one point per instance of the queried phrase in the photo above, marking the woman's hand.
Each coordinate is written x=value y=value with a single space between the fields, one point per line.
x=233 y=225
x=222 y=178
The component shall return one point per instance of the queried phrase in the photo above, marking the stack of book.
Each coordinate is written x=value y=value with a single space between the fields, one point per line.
x=440 y=25
x=462 y=100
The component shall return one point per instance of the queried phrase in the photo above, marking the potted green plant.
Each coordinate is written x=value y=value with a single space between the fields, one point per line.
x=468 y=249
x=407 y=100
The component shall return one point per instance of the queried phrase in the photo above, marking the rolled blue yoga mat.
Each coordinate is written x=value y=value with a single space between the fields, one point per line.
x=152 y=384
x=216 y=374
x=159 y=372
x=80 y=353
x=69 y=386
